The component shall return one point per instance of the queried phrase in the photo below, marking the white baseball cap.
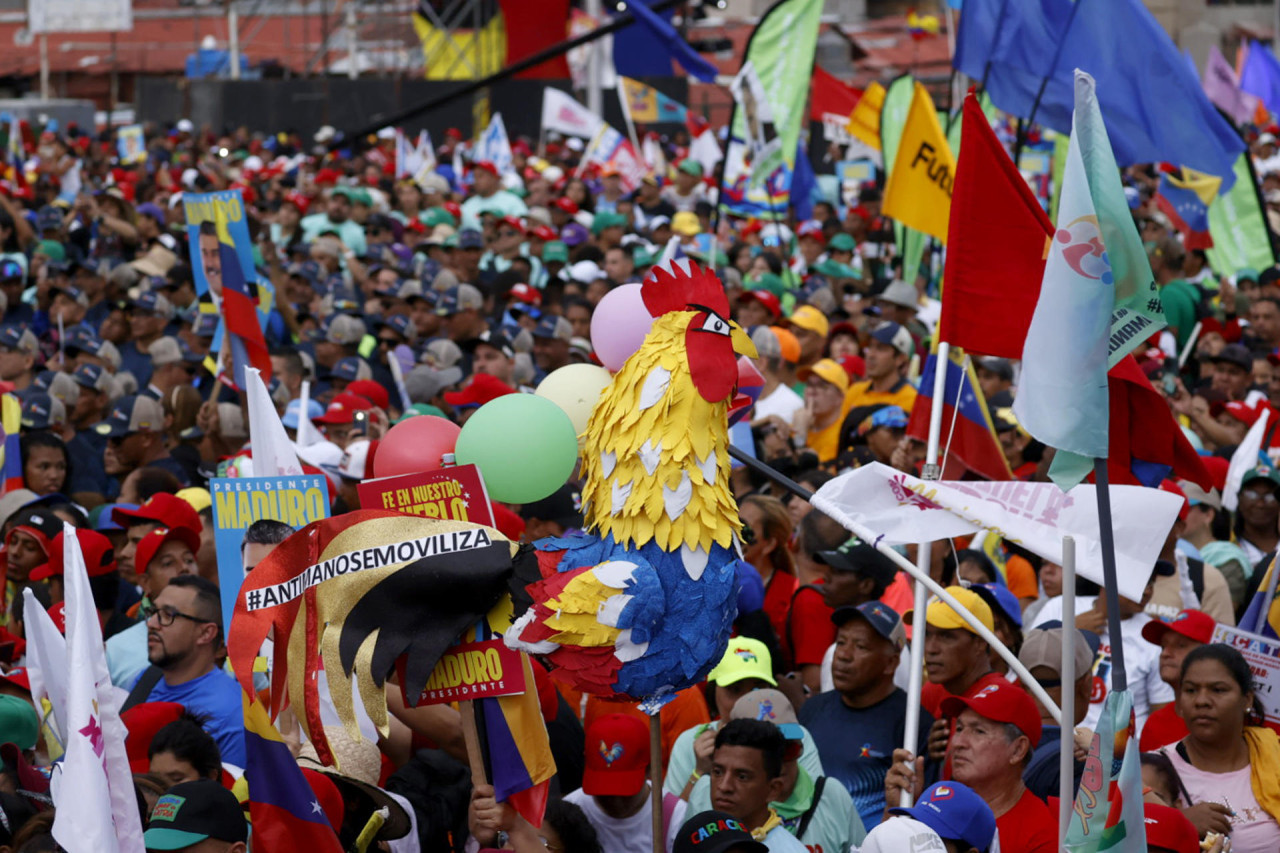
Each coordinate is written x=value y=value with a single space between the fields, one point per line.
x=901 y=835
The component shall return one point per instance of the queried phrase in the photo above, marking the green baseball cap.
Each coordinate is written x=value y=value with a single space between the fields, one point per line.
x=52 y=249
x=192 y=812
x=421 y=409
x=841 y=242
x=19 y=722
x=433 y=216
x=555 y=251
x=607 y=219
x=770 y=282
x=835 y=269
x=690 y=167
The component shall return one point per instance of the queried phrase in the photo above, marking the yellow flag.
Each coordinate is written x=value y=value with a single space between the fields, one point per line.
x=864 y=121
x=919 y=191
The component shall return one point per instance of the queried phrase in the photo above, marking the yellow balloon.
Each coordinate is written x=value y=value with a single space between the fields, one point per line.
x=575 y=388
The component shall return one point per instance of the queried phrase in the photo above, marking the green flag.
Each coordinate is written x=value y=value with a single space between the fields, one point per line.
x=1238 y=226
x=781 y=51
x=893 y=117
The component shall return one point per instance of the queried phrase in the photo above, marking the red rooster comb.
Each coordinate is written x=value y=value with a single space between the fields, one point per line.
x=686 y=287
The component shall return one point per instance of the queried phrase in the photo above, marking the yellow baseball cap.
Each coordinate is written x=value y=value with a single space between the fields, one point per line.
x=808 y=317
x=686 y=222
x=827 y=370
x=200 y=499
x=745 y=658
x=940 y=615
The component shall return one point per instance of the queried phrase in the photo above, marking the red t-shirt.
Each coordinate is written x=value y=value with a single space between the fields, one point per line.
x=777 y=603
x=811 y=628
x=1028 y=827
x=1162 y=728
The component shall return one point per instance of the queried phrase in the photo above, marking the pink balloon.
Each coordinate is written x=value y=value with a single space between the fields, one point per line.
x=619 y=325
x=415 y=445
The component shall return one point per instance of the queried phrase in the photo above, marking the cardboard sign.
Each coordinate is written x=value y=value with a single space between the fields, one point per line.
x=1263 y=657
x=475 y=671
x=296 y=500
x=455 y=493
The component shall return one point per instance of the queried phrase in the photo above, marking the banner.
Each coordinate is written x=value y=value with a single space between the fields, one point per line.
x=132 y=145
x=562 y=113
x=481 y=670
x=905 y=509
x=649 y=106
x=864 y=121
x=240 y=501
x=780 y=53
x=456 y=493
x=610 y=148
x=1238 y=225
x=1263 y=656
x=853 y=175
x=494 y=146
x=1108 y=809
x=832 y=103
x=918 y=193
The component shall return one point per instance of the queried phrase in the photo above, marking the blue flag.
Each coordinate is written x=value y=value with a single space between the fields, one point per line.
x=671 y=42
x=1154 y=107
x=1261 y=76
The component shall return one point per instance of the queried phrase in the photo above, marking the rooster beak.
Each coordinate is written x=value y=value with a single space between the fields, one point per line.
x=742 y=344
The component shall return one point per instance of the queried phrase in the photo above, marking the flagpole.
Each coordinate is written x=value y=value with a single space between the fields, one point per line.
x=626 y=113
x=1067 y=676
x=866 y=534
x=924 y=559
x=1044 y=81
x=1119 y=680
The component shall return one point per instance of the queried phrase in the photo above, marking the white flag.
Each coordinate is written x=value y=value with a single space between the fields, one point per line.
x=97 y=809
x=46 y=662
x=563 y=114
x=272 y=451
x=425 y=153
x=494 y=146
x=904 y=509
x=306 y=432
x=1245 y=459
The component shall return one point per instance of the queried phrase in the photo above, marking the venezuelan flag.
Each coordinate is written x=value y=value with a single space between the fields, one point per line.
x=10 y=423
x=1253 y=619
x=1185 y=199
x=519 y=750
x=286 y=816
x=967 y=429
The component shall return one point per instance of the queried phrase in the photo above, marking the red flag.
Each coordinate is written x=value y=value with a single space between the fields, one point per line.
x=1146 y=443
x=997 y=242
x=831 y=96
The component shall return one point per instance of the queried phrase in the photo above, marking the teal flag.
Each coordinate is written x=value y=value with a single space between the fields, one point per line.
x=781 y=51
x=893 y=117
x=1108 y=810
x=1238 y=226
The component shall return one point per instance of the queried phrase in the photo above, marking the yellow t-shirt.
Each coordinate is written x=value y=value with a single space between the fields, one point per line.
x=861 y=394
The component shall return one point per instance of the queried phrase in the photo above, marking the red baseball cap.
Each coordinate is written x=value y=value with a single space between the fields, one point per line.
x=143 y=721
x=509 y=523
x=18 y=677
x=298 y=200
x=568 y=205
x=58 y=613
x=543 y=232
x=342 y=409
x=371 y=391
x=512 y=222
x=161 y=508
x=151 y=543
x=1003 y=702
x=482 y=389
x=1174 y=489
x=99 y=556
x=812 y=228
x=1195 y=624
x=765 y=298
x=485 y=166
x=617 y=756
x=1169 y=829
x=528 y=294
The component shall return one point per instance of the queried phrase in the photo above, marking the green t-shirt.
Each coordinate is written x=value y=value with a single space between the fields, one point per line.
x=1179 y=299
x=317 y=223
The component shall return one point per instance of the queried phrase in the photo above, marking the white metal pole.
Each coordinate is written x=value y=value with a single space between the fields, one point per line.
x=595 y=96
x=44 y=67
x=924 y=558
x=1067 y=674
x=233 y=39
x=353 y=70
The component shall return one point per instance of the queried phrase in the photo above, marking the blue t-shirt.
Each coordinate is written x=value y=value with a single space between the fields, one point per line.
x=857 y=744
x=215 y=696
x=136 y=362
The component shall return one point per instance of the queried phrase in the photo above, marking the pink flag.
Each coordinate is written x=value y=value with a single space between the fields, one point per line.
x=1222 y=85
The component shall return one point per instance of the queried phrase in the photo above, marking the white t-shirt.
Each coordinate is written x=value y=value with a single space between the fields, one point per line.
x=629 y=835
x=1141 y=661
x=782 y=401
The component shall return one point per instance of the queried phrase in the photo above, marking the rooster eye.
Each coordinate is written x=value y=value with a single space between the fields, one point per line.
x=716 y=325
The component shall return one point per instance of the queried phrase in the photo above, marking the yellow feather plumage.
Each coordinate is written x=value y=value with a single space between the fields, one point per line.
x=689 y=428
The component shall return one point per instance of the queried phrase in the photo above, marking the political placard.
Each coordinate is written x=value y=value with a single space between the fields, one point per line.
x=1263 y=656
x=475 y=671
x=132 y=144
x=456 y=493
x=296 y=500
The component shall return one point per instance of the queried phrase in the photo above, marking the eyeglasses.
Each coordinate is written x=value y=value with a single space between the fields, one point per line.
x=166 y=615
x=1253 y=495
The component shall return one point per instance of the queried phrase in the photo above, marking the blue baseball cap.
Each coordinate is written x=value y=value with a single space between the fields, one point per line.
x=40 y=411
x=314 y=410
x=93 y=377
x=469 y=238
x=82 y=337
x=350 y=369
x=401 y=325
x=105 y=523
x=998 y=596
x=205 y=325
x=308 y=270
x=10 y=269
x=955 y=812
x=889 y=416
x=884 y=620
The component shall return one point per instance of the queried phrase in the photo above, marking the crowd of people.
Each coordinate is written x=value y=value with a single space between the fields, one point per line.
x=476 y=282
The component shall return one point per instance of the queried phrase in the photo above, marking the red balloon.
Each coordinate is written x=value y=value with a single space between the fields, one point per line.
x=415 y=445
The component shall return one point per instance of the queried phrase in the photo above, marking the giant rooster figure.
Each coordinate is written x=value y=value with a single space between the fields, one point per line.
x=641 y=603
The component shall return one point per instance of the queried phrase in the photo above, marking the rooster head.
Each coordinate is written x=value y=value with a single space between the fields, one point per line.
x=712 y=340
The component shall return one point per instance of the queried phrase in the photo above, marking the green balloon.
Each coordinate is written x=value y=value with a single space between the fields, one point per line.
x=523 y=444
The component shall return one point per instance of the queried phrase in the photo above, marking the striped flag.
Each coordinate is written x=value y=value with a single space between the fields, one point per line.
x=1185 y=199
x=1108 y=811
x=10 y=424
x=284 y=811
